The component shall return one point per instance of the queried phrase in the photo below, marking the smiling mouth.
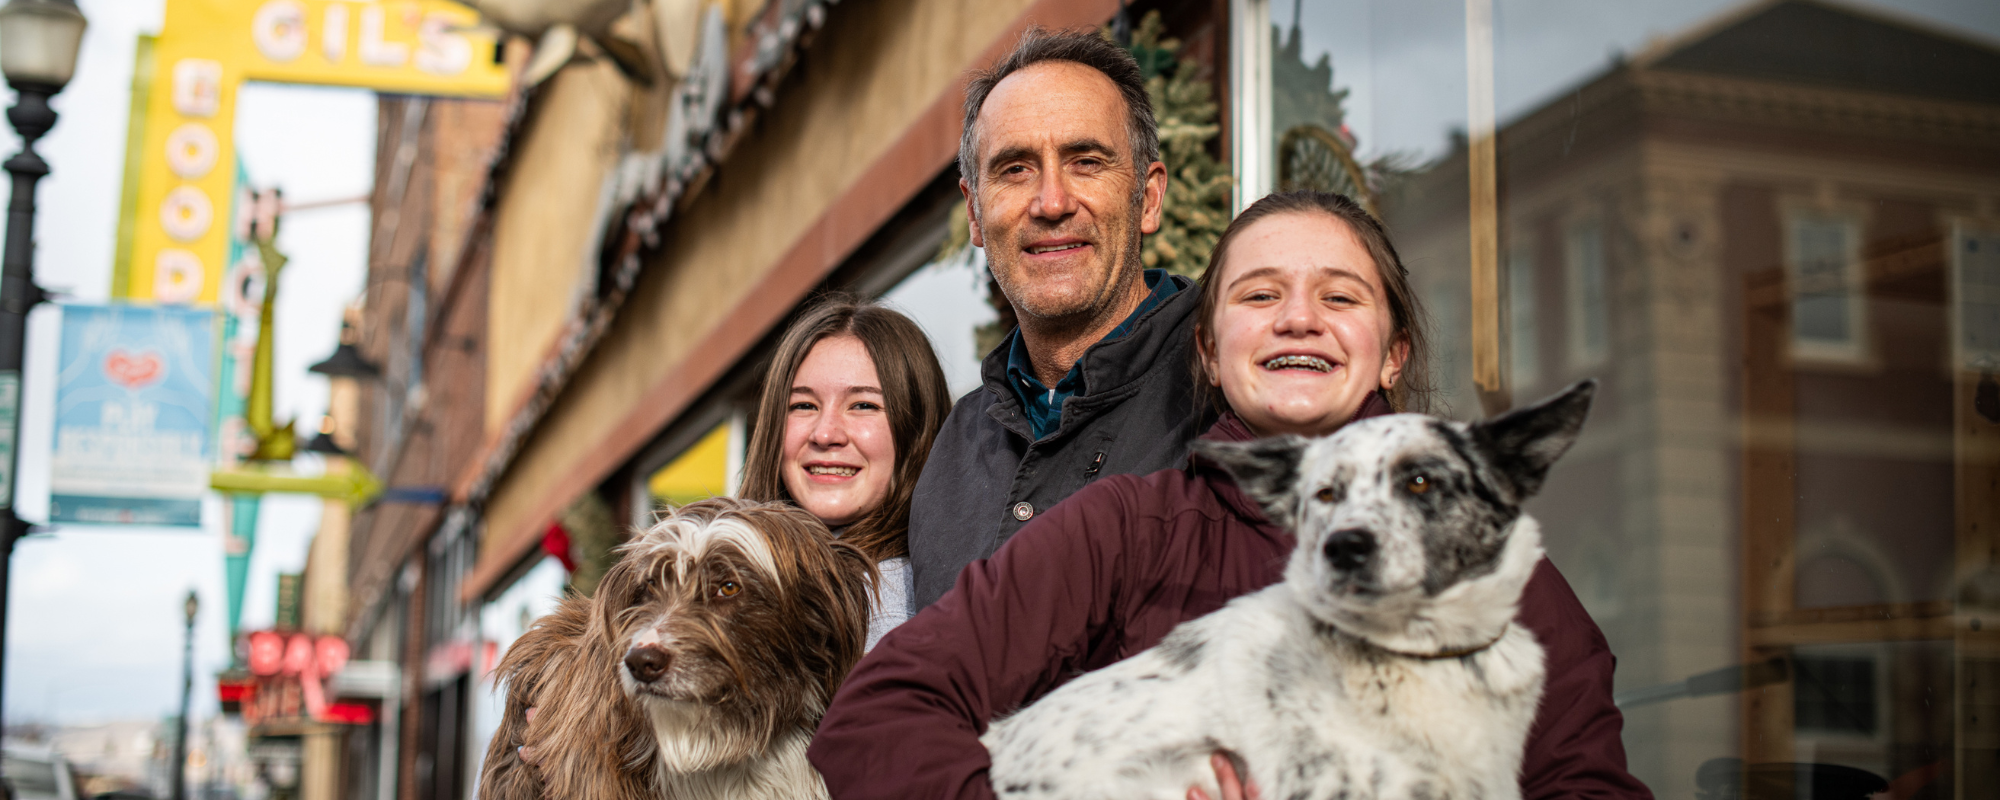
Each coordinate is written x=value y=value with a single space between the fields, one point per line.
x=845 y=472
x=1309 y=363
x=1055 y=248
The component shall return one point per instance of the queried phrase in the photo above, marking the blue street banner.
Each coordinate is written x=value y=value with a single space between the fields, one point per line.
x=134 y=398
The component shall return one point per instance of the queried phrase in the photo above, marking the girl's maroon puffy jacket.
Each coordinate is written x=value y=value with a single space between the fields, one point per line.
x=1105 y=575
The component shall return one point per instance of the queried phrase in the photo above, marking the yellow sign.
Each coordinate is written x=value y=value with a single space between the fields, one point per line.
x=179 y=213
x=699 y=473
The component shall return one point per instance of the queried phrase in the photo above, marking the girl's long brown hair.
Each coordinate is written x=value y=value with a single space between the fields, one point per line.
x=913 y=392
x=1407 y=318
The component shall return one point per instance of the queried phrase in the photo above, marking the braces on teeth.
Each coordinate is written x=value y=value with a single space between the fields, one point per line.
x=1309 y=362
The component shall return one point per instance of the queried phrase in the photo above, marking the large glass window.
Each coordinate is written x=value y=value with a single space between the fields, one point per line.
x=502 y=621
x=949 y=299
x=1344 y=95
x=1772 y=231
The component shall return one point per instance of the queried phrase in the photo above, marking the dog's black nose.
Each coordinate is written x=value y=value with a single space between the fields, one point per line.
x=1348 y=550
x=647 y=664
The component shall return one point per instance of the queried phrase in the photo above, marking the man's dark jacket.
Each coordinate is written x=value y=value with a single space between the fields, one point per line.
x=1136 y=414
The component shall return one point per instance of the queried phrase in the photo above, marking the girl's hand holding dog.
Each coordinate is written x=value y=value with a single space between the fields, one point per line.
x=1232 y=787
x=526 y=752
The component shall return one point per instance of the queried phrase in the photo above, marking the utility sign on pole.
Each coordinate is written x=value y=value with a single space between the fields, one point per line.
x=133 y=392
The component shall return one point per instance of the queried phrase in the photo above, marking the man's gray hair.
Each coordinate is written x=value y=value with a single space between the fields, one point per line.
x=1081 y=46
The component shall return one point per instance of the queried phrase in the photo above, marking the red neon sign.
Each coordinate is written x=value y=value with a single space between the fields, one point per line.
x=293 y=668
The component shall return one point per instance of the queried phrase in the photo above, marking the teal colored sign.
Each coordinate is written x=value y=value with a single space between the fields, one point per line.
x=134 y=396
x=10 y=414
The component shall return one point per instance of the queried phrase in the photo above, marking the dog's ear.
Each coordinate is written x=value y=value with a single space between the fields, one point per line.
x=1522 y=444
x=615 y=593
x=1267 y=470
x=826 y=596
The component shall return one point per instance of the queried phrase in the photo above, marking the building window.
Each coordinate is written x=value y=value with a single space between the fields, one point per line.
x=1524 y=348
x=1589 y=295
x=1766 y=391
x=1975 y=282
x=1834 y=694
x=1823 y=268
x=416 y=321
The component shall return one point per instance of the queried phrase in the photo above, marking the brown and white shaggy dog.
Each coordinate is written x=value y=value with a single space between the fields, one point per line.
x=699 y=669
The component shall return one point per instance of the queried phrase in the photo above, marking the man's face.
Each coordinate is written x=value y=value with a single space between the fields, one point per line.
x=1060 y=205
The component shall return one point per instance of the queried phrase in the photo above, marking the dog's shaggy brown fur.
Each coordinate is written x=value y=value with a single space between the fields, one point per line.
x=699 y=668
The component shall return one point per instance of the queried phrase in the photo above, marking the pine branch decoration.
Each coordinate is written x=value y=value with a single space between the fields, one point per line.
x=1197 y=203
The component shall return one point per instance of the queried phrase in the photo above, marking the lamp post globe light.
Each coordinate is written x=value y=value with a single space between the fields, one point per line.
x=39 y=40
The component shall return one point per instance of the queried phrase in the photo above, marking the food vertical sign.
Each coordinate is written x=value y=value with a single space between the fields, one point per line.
x=133 y=391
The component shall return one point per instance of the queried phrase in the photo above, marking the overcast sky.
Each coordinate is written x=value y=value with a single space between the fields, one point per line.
x=94 y=618
x=1404 y=60
x=94 y=627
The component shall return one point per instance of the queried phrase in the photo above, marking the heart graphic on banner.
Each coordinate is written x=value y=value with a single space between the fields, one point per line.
x=133 y=371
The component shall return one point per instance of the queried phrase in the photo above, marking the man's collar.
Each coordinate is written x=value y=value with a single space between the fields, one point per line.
x=1158 y=289
x=1111 y=364
x=1020 y=366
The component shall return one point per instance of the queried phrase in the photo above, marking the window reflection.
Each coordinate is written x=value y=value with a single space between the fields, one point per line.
x=1588 y=309
x=1773 y=231
x=1523 y=334
x=1828 y=296
x=1975 y=260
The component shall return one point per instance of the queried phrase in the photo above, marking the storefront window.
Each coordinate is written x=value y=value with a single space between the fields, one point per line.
x=501 y=622
x=948 y=299
x=1343 y=94
x=1771 y=230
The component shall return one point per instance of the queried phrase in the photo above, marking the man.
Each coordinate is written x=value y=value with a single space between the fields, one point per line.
x=1060 y=166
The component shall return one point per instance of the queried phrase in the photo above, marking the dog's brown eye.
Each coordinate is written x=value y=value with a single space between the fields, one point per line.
x=1418 y=484
x=1324 y=495
x=728 y=589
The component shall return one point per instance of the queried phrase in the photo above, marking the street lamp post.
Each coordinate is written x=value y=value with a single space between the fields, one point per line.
x=38 y=45
x=187 y=692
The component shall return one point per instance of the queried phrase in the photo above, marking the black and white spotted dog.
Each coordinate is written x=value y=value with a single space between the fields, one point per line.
x=1385 y=665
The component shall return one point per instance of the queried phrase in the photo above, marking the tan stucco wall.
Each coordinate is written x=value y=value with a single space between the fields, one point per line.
x=872 y=73
x=542 y=226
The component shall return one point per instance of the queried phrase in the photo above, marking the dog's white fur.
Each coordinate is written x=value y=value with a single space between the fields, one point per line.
x=685 y=541
x=731 y=682
x=697 y=758
x=1345 y=716
x=780 y=773
x=1321 y=693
